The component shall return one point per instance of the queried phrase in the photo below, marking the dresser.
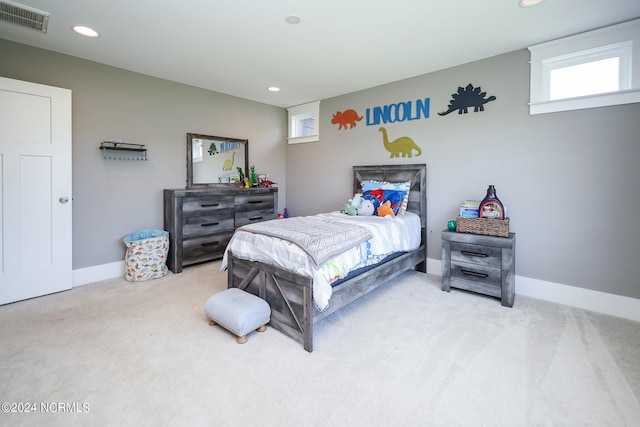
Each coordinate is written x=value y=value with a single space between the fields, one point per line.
x=478 y=263
x=201 y=221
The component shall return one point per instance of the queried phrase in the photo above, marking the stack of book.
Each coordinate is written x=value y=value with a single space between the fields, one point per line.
x=469 y=209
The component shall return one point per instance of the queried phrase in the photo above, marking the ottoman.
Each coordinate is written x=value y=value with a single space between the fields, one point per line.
x=239 y=312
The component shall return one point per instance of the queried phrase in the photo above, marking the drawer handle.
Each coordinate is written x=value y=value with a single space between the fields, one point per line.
x=255 y=218
x=255 y=201
x=476 y=254
x=211 y=224
x=210 y=205
x=209 y=243
x=473 y=273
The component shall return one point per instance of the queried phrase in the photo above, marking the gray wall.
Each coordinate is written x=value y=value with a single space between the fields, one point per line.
x=570 y=180
x=112 y=198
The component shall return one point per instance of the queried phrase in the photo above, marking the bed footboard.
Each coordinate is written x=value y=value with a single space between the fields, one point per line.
x=289 y=295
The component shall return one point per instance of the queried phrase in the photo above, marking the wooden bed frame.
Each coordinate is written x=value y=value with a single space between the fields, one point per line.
x=290 y=295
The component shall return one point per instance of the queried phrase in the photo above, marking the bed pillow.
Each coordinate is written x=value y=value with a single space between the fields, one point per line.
x=396 y=192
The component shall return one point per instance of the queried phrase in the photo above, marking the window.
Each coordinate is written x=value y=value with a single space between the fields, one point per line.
x=197 y=150
x=304 y=123
x=594 y=69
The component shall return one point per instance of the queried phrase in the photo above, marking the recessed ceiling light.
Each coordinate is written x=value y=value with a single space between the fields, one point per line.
x=273 y=89
x=85 y=31
x=293 y=19
x=529 y=3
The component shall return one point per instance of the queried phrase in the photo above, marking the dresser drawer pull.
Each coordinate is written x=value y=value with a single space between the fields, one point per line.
x=473 y=273
x=255 y=218
x=255 y=201
x=209 y=205
x=209 y=244
x=211 y=224
x=476 y=254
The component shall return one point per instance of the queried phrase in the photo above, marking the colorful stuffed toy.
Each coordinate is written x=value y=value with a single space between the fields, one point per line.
x=366 y=208
x=356 y=201
x=348 y=209
x=385 y=209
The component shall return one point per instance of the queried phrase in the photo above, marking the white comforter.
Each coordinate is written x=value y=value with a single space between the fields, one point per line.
x=401 y=233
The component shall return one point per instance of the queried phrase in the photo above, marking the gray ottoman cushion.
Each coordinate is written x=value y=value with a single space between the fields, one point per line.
x=238 y=311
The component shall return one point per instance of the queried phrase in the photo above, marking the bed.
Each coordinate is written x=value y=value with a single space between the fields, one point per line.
x=290 y=293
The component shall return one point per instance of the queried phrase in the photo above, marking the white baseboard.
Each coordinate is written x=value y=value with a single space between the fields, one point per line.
x=601 y=302
x=97 y=273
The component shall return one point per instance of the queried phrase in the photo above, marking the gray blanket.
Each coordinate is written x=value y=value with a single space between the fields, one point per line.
x=322 y=239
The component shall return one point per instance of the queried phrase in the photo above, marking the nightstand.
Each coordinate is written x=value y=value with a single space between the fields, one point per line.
x=477 y=263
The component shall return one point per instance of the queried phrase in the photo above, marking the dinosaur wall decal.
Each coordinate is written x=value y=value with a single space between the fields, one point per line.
x=403 y=145
x=228 y=164
x=344 y=118
x=467 y=97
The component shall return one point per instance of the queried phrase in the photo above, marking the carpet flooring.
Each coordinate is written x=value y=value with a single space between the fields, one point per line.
x=116 y=353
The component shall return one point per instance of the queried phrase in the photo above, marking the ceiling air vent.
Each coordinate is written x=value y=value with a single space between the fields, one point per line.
x=24 y=16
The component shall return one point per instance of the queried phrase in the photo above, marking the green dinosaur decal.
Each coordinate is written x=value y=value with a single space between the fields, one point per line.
x=403 y=145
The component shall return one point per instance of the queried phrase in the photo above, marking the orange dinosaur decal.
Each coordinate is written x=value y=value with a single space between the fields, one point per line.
x=347 y=117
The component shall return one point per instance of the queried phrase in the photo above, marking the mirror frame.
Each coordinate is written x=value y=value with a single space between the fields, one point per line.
x=190 y=138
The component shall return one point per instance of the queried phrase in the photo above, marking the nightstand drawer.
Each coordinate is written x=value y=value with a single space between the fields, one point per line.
x=204 y=205
x=476 y=254
x=475 y=273
x=206 y=224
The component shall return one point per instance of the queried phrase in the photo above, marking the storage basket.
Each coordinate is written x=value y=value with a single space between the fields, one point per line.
x=146 y=255
x=486 y=226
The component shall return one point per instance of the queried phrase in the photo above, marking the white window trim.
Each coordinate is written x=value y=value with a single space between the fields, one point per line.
x=622 y=40
x=314 y=109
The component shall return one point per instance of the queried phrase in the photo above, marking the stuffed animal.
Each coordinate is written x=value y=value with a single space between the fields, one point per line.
x=374 y=201
x=385 y=209
x=348 y=209
x=356 y=201
x=366 y=208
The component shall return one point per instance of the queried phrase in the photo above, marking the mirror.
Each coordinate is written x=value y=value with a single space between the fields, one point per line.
x=213 y=160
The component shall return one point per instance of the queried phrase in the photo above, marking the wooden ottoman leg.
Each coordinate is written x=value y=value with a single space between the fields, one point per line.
x=262 y=328
x=212 y=322
x=241 y=340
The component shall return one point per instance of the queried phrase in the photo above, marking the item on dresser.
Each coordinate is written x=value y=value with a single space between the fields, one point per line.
x=491 y=207
x=482 y=264
x=469 y=209
x=201 y=221
x=485 y=226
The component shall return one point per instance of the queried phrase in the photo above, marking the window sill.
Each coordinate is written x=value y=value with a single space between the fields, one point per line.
x=591 y=101
x=303 y=139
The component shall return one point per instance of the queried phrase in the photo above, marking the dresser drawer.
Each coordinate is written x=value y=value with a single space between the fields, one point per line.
x=476 y=274
x=202 y=225
x=205 y=248
x=254 y=202
x=248 y=217
x=204 y=205
x=476 y=254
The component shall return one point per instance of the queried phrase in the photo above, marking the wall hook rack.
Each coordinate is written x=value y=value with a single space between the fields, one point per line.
x=117 y=150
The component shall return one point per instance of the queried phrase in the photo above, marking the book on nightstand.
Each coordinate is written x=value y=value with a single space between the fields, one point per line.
x=469 y=209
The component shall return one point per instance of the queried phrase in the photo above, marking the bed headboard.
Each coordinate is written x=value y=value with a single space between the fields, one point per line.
x=417 y=174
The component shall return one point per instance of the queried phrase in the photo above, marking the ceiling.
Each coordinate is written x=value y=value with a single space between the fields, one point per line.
x=241 y=47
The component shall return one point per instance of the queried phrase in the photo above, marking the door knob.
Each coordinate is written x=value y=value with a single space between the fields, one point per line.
x=63 y=199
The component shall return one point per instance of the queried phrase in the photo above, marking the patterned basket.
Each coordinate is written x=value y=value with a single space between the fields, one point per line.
x=146 y=255
x=486 y=226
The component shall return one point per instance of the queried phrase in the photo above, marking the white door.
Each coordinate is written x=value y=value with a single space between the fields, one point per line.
x=35 y=190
